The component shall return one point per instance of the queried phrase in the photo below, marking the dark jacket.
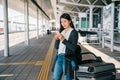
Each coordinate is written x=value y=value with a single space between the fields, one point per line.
x=71 y=46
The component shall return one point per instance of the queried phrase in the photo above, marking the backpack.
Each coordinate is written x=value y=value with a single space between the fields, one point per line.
x=78 y=55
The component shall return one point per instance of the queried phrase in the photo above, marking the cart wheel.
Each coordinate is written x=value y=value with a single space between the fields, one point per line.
x=76 y=79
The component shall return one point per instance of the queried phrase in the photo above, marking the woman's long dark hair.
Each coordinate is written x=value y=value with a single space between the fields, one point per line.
x=65 y=16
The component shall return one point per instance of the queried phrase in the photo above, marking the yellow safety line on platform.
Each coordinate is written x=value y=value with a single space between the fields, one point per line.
x=22 y=63
x=44 y=73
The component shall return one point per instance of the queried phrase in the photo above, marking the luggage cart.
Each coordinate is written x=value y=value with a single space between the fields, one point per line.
x=93 y=68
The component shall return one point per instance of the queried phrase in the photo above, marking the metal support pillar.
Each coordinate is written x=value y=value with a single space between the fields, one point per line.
x=6 y=31
x=37 y=24
x=91 y=17
x=112 y=29
x=27 y=22
x=119 y=19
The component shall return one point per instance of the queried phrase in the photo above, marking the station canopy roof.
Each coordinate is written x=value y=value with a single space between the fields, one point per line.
x=53 y=7
x=77 y=6
x=45 y=5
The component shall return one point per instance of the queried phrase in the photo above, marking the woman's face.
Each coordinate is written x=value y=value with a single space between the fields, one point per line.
x=65 y=23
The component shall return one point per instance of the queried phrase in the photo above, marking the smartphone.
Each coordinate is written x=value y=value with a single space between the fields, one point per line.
x=57 y=32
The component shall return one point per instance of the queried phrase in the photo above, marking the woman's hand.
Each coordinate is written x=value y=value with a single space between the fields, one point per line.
x=61 y=37
x=57 y=34
x=56 y=37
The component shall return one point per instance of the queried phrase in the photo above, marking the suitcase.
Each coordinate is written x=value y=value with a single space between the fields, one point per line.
x=89 y=57
x=93 y=68
x=96 y=71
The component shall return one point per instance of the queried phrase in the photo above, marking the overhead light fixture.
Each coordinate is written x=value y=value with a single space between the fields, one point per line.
x=52 y=20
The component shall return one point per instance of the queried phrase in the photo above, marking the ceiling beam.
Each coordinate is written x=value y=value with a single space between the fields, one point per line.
x=70 y=11
x=79 y=1
x=73 y=1
x=95 y=9
x=104 y=1
x=72 y=8
x=88 y=1
x=76 y=4
x=83 y=9
x=78 y=9
x=94 y=2
x=76 y=12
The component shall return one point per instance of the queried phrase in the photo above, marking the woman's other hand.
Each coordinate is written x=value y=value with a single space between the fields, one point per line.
x=61 y=37
x=56 y=37
x=57 y=34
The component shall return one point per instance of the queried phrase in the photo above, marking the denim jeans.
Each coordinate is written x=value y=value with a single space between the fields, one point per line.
x=59 y=68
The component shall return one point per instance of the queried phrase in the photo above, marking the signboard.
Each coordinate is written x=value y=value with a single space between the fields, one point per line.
x=108 y=24
x=107 y=20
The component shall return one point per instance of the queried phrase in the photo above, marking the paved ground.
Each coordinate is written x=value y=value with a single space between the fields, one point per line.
x=26 y=62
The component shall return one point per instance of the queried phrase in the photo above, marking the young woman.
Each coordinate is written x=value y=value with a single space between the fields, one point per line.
x=66 y=44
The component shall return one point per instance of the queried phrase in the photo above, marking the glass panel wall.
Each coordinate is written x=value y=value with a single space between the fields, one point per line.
x=16 y=24
x=1 y=29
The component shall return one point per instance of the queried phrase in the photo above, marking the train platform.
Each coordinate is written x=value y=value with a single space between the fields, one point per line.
x=32 y=22
x=33 y=62
x=27 y=62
